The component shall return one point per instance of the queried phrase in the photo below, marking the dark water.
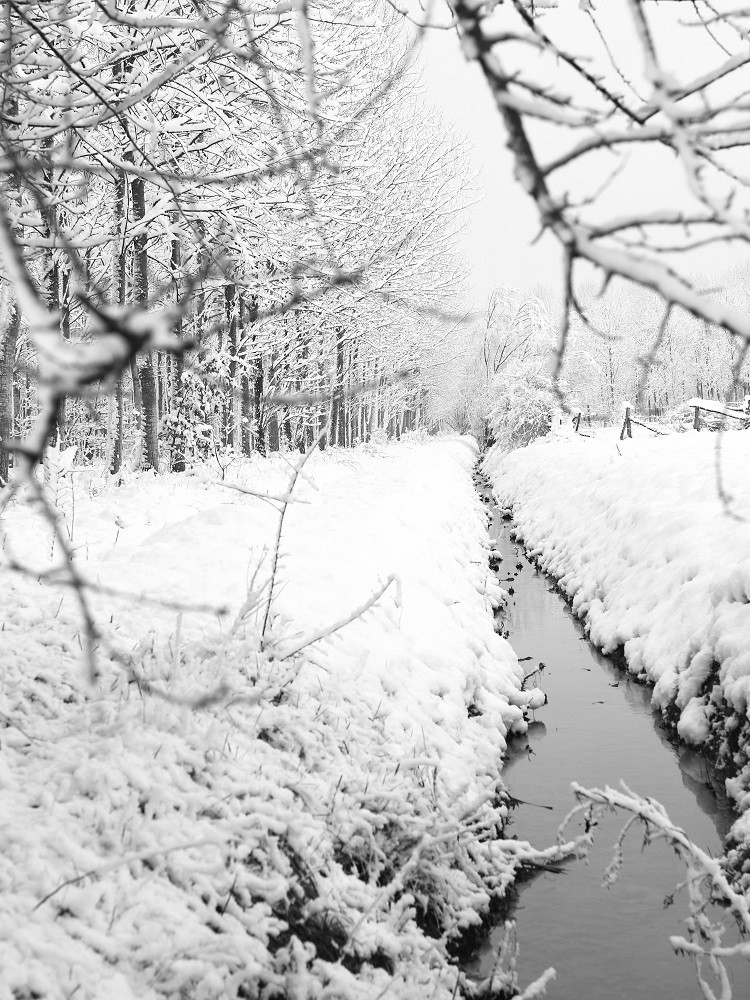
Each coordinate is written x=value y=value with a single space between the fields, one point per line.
x=598 y=728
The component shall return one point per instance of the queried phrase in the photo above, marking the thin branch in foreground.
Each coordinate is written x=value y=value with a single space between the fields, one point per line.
x=707 y=881
x=144 y=855
x=9 y=723
x=75 y=580
x=347 y=619
x=51 y=578
x=284 y=498
x=282 y=513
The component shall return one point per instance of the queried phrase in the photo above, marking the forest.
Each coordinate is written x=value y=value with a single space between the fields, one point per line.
x=223 y=182
x=500 y=382
x=338 y=590
x=179 y=175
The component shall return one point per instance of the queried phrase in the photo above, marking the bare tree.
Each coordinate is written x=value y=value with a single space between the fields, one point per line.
x=587 y=97
x=134 y=185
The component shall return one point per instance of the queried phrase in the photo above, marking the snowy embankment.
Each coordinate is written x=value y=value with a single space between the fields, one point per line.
x=654 y=561
x=330 y=822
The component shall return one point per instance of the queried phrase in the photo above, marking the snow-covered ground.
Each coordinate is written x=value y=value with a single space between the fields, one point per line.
x=324 y=825
x=650 y=539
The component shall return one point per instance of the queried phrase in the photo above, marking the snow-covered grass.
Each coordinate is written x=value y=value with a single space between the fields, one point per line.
x=327 y=826
x=650 y=539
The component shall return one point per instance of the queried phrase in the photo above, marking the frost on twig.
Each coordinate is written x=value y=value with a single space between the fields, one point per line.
x=706 y=882
x=347 y=619
x=581 y=95
x=58 y=484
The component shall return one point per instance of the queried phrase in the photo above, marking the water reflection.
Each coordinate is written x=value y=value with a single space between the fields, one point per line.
x=537 y=731
x=598 y=728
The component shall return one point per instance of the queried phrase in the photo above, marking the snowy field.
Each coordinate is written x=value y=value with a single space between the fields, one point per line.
x=329 y=823
x=650 y=539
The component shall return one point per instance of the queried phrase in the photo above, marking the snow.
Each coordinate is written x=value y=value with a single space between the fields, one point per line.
x=284 y=838
x=713 y=406
x=650 y=540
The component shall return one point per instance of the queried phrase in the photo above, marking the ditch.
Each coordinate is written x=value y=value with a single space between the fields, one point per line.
x=598 y=728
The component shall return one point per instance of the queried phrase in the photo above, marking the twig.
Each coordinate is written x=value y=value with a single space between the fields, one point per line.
x=282 y=513
x=284 y=498
x=9 y=722
x=336 y=626
x=126 y=860
x=50 y=578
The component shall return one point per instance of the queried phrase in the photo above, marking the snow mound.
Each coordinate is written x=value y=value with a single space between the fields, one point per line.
x=326 y=825
x=650 y=540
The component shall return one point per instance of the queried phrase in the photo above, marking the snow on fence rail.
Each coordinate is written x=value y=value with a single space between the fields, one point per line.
x=722 y=409
x=736 y=411
x=605 y=419
x=629 y=420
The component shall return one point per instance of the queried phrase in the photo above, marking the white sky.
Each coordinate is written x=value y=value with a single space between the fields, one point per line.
x=502 y=223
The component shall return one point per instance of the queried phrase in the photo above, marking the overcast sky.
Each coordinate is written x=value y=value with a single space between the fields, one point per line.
x=502 y=224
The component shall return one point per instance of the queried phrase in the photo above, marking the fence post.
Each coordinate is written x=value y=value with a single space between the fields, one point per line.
x=697 y=418
x=626 y=426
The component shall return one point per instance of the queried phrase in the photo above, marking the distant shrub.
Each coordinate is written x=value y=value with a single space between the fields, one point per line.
x=521 y=413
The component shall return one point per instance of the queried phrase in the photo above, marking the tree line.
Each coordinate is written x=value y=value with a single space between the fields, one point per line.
x=498 y=379
x=258 y=187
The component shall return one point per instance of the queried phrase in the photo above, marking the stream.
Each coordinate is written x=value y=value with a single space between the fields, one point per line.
x=598 y=728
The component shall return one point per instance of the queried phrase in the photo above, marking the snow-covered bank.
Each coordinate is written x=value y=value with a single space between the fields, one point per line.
x=330 y=822
x=638 y=537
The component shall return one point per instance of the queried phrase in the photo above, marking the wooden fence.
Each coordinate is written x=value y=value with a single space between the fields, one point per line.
x=736 y=411
x=591 y=420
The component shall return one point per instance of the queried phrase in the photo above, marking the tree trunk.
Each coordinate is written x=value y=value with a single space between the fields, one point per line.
x=146 y=374
x=64 y=305
x=149 y=399
x=232 y=408
x=288 y=429
x=338 y=416
x=8 y=342
x=7 y=365
x=51 y=287
x=273 y=432
x=322 y=438
x=257 y=402
x=116 y=463
x=246 y=414
x=50 y=278
x=179 y=444
x=372 y=425
x=163 y=375
x=248 y=313
x=118 y=297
